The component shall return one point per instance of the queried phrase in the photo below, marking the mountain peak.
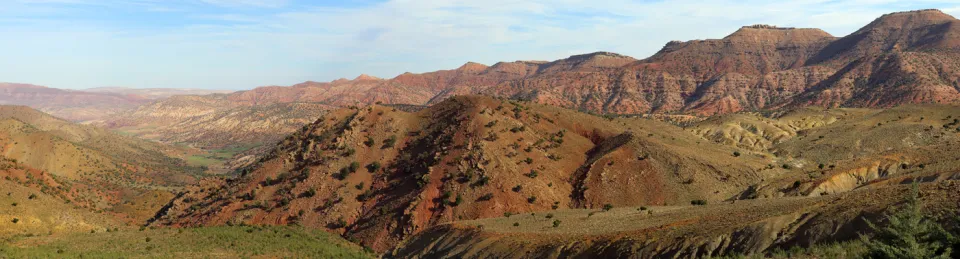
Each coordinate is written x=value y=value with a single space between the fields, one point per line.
x=908 y=19
x=923 y=12
x=472 y=67
x=772 y=32
x=366 y=77
x=598 y=54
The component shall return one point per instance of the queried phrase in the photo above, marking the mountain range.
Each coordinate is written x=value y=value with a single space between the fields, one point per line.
x=900 y=58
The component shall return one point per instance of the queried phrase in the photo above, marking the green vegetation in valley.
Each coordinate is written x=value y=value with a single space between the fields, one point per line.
x=205 y=242
x=217 y=157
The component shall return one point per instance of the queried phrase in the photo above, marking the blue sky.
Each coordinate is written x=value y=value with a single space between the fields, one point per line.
x=241 y=44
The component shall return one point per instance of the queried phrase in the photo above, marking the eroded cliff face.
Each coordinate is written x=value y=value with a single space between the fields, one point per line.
x=746 y=227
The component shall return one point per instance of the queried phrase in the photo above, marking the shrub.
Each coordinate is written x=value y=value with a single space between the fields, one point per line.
x=482 y=181
x=349 y=152
x=607 y=207
x=787 y=166
x=643 y=208
x=354 y=166
x=373 y=167
x=516 y=224
x=532 y=174
x=556 y=223
x=359 y=186
x=532 y=199
x=507 y=214
x=457 y=201
x=366 y=195
x=698 y=202
x=32 y=196
x=369 y=142
x=15 y=220
x=308 y=193
x=485 y=197
x=528 y=160
x=389 y=142
x=517 y=188
x=736 y=153
x=549 y=215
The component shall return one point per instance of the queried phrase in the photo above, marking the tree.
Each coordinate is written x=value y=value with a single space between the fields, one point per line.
x=908 y=234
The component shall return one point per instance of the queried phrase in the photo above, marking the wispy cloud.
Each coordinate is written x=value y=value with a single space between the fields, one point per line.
x=245 y=43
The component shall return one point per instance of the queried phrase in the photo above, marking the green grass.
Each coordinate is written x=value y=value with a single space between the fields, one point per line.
x=202 y=160
x=206 y=242
x=216 y=156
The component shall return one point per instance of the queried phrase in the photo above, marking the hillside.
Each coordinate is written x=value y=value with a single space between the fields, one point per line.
x=34 y=203
x=379 y=175
x=96 y=169
x=745 y=227
x=841 y=166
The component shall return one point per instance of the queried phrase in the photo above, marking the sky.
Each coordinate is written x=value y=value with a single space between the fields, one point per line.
x=242 y=44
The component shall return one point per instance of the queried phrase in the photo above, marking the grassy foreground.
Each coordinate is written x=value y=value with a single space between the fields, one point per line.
x=205 y=242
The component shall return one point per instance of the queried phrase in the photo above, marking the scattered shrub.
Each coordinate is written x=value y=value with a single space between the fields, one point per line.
x=485 y=197
x=373 y=167
x=349 y=152
x=532 y=174
x=308 y=193
x=389 y=142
